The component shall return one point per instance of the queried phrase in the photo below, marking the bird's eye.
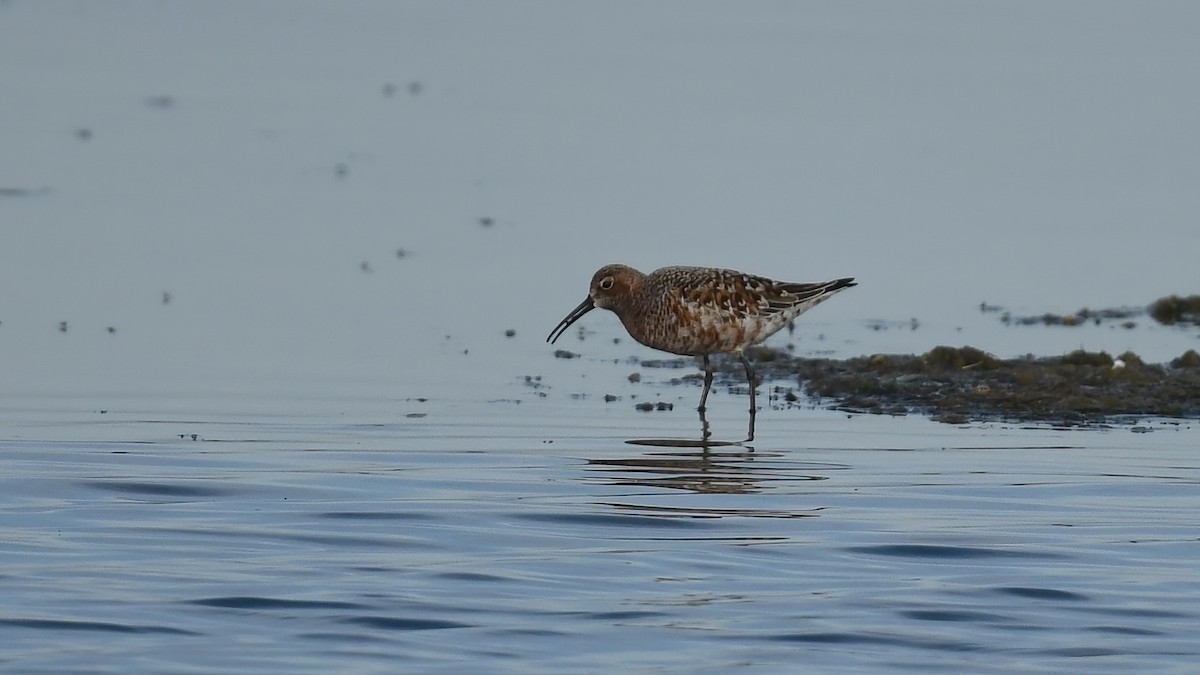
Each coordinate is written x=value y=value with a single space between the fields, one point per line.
x=606 y=283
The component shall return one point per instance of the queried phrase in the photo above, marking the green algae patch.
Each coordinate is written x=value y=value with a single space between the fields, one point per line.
x=1175 y=309
x=964 y=384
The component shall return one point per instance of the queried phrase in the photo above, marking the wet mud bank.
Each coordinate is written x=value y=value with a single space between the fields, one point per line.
x=963 y=384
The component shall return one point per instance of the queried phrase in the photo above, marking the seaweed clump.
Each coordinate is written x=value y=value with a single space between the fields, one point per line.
x=1175 y=309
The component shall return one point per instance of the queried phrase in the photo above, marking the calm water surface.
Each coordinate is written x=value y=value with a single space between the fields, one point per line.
x=273 y=275
x=531 y=538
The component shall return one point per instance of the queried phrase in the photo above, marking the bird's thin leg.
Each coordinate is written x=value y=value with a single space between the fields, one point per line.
x=705 y=432
x=753 y=386
x=708 y=378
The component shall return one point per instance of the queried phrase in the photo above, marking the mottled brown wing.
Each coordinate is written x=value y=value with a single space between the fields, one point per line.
x=733 y=294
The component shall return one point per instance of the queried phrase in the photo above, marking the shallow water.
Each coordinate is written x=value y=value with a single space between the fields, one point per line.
x=276 y=277
x=532 y=538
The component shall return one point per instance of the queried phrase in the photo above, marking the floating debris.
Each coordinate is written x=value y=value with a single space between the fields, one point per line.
x=661 y=406
x=1171 y=310
x=1078 y=318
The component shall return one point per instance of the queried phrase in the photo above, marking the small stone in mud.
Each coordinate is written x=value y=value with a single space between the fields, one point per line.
x=112 y=330
x=401 y=253
x=644 y=406
x=635 y=377
x=564 y=354
x=62 y=326
x=166 y=298
x=486 y=221
x=510 y=332
x=609 y=398
x=365 y=267
x=663 y=405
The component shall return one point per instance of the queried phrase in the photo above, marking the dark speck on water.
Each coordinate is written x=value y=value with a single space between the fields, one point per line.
x=22 y=192
x=161 y=102
x=564 y=354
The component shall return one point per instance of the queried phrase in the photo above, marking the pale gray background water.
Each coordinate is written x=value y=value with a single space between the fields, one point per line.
x=373 y=483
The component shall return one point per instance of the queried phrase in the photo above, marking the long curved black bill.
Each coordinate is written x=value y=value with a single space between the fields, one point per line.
x=583 y=308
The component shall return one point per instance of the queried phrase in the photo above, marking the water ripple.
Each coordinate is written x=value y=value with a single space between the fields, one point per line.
x=946 y=552
x=404 y=624
x=252 y=602
x=175 y=489
x=98 y=626
x=1042 y=593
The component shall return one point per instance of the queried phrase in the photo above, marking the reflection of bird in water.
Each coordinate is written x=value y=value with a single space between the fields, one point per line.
x=706 y=471
x=697 y=472
x=700 y=311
